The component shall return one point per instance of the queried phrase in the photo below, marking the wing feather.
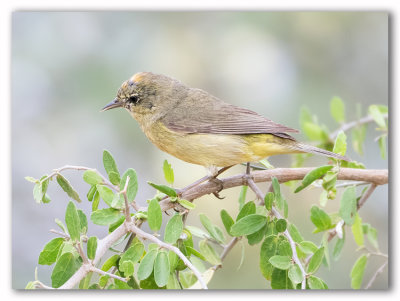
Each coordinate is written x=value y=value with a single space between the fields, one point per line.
x=218 y=117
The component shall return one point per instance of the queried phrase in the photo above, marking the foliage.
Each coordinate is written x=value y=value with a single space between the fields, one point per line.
x=286 y=259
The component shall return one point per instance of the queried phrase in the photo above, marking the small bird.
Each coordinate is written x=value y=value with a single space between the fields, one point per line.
x=197 y=127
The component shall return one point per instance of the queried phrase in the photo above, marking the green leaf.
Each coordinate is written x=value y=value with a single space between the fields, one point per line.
x=147 y=264
x=316 y=283
x=280 y=262
x=320 y=218
x=242 y=196
x=164 y=189
x=382 y=146
x=308 y=247
x=48 y=256
x=92 y=247
x=111 y=167
x=269 y=200
x=61 y=225
x=357 y=272
x=357 y=230
x=227 y=220
x=348 y=205
x=284 y=248
x=313 y=175
x=337 y=109
x=83 y=221
x=268 y=249
x=40 y=188
x=173 y=229
x=295 y=274
x=110 y=262
x=92 y=177
x=294 y=232
x=66 y=186
x=248 y=224
x=116 y=224
x=209 y=253
x=377 y=115
x=337 y=249
x=281 y=225
x=313 y=131
x=91 y=192
x=277 y=192
x=198 y=232
x=132 y=255
x=96 y=201
x=65 y=267
x=161 y=268
x=211 y=228
x=257 y=236
x=358 y=137
x=186 y=204
x=105 y=216
x=316 y=261
x=31 y=179
x=154 y=215
x=280 y=279
x=193 y=251
x=340 y=145
x=168 y=172
x=173 y=283
x=106 y=194
x=247 y=209
x=372 y=236
x=72 y=221
x=132 y=188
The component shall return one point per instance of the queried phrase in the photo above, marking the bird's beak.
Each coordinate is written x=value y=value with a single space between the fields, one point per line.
x=114 y=104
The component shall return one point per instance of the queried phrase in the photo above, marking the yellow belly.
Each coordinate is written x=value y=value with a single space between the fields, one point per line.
x=216 y=149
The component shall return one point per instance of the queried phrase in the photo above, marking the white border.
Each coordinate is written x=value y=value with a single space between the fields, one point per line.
x=6 y=8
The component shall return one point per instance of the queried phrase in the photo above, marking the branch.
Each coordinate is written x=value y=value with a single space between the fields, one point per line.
x=140 y=233
x=347 y=126
x=376 y=274
x=376 y=176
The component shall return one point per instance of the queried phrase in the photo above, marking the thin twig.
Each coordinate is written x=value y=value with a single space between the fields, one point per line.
x=126 y=210
x=376 y=274
x=60 y=233
x=144 y=235
x=347 y=126
x=99 y=271
x=78 y=247
x=75 y=167
x=366 y=195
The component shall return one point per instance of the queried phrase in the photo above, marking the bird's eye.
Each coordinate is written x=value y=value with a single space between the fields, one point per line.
x=133 y=99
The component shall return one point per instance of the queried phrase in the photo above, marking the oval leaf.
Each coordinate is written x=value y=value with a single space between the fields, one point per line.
x=247 y=209
x=168 y=172
x=280 y=262
x=161 y=268
x=313 y=175
x=92 y=247
x=72 y=221
x=66 y=186
x=132 y=188
x=154 y=215
x=147 y=264
x=357 y=272
x=248 y=225
x=65 y=267
x=174 y=229
x=227 y=220
x=92 y=177
x=50 y=251
x=316 y=260
x=209 y=253
x=105 y=216
x=111 y=167
x=164 y=189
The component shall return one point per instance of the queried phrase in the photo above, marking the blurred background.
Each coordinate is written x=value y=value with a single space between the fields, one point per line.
x=67 y=65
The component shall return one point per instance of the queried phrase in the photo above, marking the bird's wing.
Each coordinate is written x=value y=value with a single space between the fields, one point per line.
x=218 y=117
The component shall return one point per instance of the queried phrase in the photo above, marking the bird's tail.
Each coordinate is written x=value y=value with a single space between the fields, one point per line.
x=318 y=151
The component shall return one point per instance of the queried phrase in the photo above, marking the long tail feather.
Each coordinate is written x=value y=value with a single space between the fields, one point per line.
x=319 y=151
